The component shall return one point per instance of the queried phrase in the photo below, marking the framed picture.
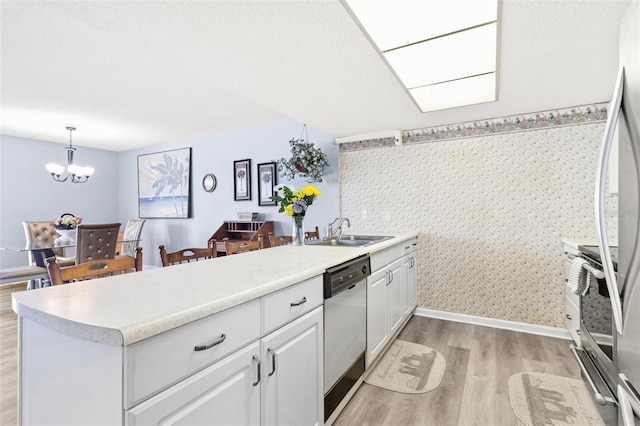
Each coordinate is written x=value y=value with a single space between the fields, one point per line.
x=164 y=184
x=266 y=182
x=242 y=180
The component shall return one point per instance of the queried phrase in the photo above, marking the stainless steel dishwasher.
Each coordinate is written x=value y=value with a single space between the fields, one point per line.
x=345 y=329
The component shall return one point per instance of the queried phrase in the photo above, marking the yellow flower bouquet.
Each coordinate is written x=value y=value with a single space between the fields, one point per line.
x=293 y=202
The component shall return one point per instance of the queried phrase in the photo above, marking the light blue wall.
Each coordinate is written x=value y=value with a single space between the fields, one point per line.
x=215 y=154
x=27 y=192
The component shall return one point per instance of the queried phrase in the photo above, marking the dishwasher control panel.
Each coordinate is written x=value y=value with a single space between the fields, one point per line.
x=345 y=275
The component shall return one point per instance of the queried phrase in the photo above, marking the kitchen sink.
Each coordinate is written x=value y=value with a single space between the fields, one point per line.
x=350 y=240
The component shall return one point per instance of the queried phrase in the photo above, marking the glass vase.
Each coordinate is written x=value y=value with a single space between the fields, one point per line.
x=298 y=232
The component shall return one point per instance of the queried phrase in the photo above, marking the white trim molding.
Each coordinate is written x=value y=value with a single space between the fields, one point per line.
x=541 y=330
x=395 y=134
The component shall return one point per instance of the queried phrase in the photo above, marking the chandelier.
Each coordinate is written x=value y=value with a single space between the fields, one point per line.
x=78 y=174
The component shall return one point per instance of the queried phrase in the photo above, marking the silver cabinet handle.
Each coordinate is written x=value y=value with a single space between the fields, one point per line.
x=256 y=359
x=273 y=361
x=391 y=275
x=212 y=344
x=388 y=275
x=613 y=114
x=300 y=302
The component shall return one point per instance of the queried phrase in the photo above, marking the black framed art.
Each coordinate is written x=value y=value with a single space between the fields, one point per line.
x=242 y=180
x=266 y=182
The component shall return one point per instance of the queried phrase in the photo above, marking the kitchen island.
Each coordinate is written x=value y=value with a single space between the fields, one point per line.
x=94 y=353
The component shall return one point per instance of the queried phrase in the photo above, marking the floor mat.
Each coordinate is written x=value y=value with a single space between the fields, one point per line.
x=408 y=368
x=540 y=399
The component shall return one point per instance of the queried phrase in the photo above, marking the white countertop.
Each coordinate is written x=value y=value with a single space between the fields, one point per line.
x=125 y=309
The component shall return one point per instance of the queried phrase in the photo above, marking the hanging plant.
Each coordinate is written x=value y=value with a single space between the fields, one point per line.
x=306 y=161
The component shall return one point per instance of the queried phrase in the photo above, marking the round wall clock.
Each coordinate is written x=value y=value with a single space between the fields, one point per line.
x=209 y=182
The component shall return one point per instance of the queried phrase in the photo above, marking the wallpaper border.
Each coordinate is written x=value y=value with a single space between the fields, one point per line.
x=593 y=113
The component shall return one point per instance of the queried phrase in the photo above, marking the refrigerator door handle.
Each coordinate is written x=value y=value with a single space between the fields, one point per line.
x=630 y=394
x=601 y=231
x=629 y=401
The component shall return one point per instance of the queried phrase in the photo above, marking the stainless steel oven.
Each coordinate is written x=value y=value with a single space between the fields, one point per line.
x=597 y=331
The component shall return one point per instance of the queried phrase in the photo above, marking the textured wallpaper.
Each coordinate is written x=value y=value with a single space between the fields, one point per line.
x=491 y=211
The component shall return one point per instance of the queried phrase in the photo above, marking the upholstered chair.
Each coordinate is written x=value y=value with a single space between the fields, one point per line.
x=96 y=241
x=42 y=235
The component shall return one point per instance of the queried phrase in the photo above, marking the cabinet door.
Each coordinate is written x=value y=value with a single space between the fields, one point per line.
x=292 y=373
x=411 y=291
x=377 y=328
x=226 y=393
x=572 y=306
x=395 y=295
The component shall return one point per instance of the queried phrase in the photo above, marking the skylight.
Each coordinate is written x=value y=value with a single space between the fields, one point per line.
x=443 y=51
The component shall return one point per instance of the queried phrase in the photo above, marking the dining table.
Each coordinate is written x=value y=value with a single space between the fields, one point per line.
x=42 y=251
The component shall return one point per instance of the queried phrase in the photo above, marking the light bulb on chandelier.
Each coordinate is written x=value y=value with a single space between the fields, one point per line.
x=78 y=174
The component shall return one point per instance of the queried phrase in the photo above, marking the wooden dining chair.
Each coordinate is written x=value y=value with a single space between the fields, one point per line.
x=243 y=246
x=312 y=235
x=281 y=240
x=93 y=268
x=186 y=255
x=96 y=241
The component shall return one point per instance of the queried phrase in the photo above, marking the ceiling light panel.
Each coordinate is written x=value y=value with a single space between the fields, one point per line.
x=447 y=58
x=467 y=91
x=392 y=24
x=434 y=46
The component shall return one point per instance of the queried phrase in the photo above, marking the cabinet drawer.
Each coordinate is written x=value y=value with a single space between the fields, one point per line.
x=409 y=246
x=287 y=304
x=379 y=259
x=382 y=258
x=156 y=363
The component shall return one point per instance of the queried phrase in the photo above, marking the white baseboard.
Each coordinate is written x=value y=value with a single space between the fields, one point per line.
x=542 y=330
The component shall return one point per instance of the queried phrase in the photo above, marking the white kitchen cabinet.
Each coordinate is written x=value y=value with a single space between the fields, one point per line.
x=409 y=274
x=292 y=373
x=377 y=330
x=391 y=295
x=396 y=288
x=274 y=381
x=572 y=300
x=227 y=392
x=385 y=300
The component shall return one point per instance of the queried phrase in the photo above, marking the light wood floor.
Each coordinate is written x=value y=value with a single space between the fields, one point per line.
x=8 y=356
x=473 y=390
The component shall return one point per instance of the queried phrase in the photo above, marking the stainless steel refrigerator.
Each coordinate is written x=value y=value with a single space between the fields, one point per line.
x=624 y=288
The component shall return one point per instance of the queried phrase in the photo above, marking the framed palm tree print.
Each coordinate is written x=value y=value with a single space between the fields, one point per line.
x=242 y=180
x=266 y=182
x=164 y=184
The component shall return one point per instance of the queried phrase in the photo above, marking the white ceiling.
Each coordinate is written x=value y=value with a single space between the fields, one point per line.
x=130 y=74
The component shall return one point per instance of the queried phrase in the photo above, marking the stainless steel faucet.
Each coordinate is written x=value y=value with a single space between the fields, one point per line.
x=331 y=232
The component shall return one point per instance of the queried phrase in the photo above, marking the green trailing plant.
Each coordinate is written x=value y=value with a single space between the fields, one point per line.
x=306 y=161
